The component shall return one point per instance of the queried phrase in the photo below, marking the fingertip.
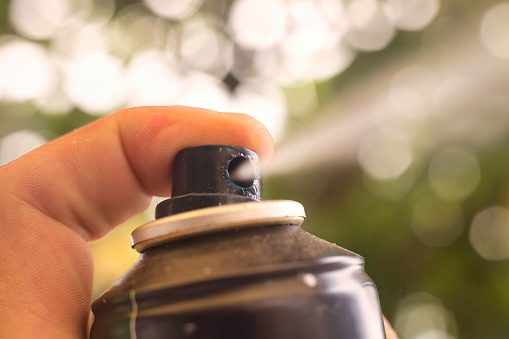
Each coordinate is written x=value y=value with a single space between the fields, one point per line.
x=152 y=136
x=256 y=135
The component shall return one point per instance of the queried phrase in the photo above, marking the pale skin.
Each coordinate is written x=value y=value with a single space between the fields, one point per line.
x=76 y=189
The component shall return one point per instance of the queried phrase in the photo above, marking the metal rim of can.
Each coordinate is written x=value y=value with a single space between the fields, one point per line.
x=216 y=218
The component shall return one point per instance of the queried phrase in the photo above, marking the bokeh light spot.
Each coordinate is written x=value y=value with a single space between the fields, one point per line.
x=362 y=12
x=89 y=37
x=285 y=71
x=56 y=103
x=333 y=11
x=383 y=158
x=152 y=80
x=38 y=19
x=173 y=9
x=412 y=15
x=146 y=32
x=78 y=38
x=394 y=126
x=494 y=30
x=311 y=32
x=410 y=91
x=437 y=222
x=199 y=89
x=199 y=45
x=95 y=82
x=205 y=47
x=99 y=12
x=370 y=29
x=422 y=316
x=258 y=24
x=326 y=63
x=26 y=71
x=454 y=173
x=489 y=233
x=19 y=143
x=391 y=189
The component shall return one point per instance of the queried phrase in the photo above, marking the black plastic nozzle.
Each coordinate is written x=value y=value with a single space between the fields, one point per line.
x=212 y=175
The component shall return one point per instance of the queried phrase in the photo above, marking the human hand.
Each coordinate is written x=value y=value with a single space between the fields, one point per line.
x=76 y=189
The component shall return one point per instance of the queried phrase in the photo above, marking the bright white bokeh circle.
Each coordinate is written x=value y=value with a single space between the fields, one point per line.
x=258 y=24
x=26 y=70
x=152 y=79
x=95 y=82
x=38 y=19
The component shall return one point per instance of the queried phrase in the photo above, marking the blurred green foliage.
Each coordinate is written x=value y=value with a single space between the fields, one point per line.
x=341 y=210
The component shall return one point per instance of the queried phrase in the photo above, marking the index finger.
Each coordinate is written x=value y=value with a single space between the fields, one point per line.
x=109 y=169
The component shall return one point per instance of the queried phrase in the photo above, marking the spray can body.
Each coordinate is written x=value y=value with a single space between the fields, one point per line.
x=255 y=273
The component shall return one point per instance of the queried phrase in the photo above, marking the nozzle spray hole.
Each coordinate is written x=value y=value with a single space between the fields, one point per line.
x=241 y=171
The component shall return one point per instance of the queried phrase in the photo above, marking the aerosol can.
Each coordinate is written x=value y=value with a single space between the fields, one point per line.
x=220 y=263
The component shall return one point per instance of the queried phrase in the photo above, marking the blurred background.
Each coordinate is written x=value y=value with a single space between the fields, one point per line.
x=391 y=120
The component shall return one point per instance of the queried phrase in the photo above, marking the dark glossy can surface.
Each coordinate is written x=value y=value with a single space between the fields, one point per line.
x=270 y=281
